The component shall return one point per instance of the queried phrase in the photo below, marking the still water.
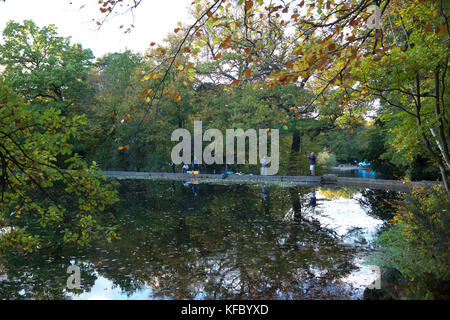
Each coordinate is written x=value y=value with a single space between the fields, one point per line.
x=185 y=241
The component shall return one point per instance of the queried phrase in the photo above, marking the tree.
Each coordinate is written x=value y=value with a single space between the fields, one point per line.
x=43 y=67
x=42 y=205
x=401 y=59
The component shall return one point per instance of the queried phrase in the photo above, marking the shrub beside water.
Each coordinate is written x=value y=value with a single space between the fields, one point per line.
x=417 y=244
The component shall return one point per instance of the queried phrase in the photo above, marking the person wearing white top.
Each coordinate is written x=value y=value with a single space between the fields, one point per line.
x=264 y=163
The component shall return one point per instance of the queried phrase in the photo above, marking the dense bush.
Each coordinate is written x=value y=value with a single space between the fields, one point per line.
x=417 y=243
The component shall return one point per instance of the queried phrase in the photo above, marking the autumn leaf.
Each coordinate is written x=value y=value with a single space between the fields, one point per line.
x=441 y=29
x=248 y=5
x=217 y=56
x=248 y=72
x=235 y=82
x=111 y=115
x=177 y=97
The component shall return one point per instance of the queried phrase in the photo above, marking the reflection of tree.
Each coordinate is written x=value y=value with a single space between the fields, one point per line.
x=225 y=243
x=222 y=245
x=40 y=276
x=335 y=193
x=379 y=203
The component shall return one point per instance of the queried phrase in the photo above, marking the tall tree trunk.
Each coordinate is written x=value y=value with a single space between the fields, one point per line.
x=443 y=147
x=293 y=156
x=437 y=157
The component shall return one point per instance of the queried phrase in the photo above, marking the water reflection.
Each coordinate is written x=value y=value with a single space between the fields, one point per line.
x=226 y=242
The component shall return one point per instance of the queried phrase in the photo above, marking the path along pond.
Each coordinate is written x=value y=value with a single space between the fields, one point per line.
x=204 y=241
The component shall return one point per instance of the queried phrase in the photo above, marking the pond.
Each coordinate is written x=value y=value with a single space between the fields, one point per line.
x=203 y=241
x=359 y=173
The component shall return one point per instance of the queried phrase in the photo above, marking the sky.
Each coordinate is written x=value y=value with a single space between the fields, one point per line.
x=153 y=20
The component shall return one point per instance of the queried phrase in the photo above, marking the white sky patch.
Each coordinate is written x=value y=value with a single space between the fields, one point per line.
x=153 y=21
x=104 y=289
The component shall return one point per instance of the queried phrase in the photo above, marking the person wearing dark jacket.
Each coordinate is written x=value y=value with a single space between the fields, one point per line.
x=312 y=163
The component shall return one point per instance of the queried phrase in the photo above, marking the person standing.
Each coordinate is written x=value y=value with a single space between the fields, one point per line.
x=195 y=165
x=312 y=163
x=264 y=163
